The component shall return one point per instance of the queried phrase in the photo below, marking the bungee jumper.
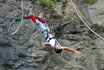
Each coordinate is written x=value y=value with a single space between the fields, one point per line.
x=50 y=39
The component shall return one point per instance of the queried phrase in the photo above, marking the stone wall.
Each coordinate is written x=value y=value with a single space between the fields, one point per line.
x=23 y=51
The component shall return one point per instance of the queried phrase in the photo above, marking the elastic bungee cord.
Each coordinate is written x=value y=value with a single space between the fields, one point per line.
x=14 y=21
x=85 y=22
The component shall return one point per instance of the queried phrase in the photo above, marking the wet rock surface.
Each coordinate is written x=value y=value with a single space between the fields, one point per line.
x=23 y=51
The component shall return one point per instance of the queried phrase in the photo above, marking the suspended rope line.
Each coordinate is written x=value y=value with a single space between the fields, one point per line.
x=85 y=22
x=14 y=21
x=40 y=15
x=9 y=29
x=30 y=10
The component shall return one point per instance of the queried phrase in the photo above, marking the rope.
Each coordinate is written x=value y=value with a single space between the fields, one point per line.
x=30 y=10
x=85 y=22
x=9 y=29
x=14 y=21
x=40 y=15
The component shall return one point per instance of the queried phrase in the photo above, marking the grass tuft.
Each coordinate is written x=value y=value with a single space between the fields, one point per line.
x=47 y=2
x=89 y=1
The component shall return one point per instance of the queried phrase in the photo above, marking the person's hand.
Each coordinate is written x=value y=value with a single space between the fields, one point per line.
x=77 y=52
x=43 y=44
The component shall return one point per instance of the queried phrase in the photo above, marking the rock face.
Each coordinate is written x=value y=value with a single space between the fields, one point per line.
x=97 y=12
x=23 y=51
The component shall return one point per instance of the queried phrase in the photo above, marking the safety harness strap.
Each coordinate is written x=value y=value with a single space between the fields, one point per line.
x=47 y=36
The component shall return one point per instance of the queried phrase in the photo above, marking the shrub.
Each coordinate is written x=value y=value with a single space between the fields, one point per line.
x=89 y=1
x=47 y=2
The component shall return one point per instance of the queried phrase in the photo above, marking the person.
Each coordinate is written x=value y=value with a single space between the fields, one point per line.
x=50 y=39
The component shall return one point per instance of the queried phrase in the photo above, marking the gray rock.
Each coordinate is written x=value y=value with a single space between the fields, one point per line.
x=23 y=51
x=96 y=12
x=58 y=9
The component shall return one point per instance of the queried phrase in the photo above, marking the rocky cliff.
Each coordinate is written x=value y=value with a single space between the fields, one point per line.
x=23 y=51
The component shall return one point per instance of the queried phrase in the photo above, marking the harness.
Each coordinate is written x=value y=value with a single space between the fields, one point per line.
x=50 y=37
x=55 y=43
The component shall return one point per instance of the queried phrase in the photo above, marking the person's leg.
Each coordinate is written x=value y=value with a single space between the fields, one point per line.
x=46 y=26
x=42 y=28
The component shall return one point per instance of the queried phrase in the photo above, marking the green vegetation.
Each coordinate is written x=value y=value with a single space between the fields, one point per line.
x=47 y=2
x=89 y=1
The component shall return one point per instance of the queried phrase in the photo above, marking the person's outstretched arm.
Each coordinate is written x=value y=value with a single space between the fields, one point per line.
x=72 y=50
x=46 y=43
